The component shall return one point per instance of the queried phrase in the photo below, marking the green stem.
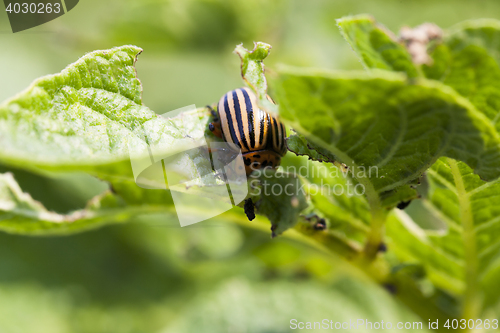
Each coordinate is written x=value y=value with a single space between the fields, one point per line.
x=376 y=234
x=472 y=300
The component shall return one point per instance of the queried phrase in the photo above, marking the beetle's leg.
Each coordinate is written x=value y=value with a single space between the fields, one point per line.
x=249 y=209
x=214 y=126
x=213 y=113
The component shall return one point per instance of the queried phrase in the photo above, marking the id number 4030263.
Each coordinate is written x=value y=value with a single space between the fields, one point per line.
x=33 y=8
x=471 y=324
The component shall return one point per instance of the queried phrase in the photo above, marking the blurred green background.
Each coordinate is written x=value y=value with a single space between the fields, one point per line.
x=150 y=275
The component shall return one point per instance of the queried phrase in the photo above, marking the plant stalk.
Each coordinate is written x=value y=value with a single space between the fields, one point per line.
x=376 y=235
x=471 y=308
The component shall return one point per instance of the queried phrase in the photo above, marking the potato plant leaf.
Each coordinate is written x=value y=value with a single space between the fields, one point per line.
x=279 y=196
x=83 y=115
x=375 y=45
x=334 y=196
x=89 y=118
x=462 y=257
x=299 y=145
x=386 y=130
x=252 y=72
x=21 y=214
x=468 y=60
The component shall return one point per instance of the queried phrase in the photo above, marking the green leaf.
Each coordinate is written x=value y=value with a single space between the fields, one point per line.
x=375 y=45
x=83 y=115
x=21 y=214
x=468 y=60
x=299 y=146
x=89 y=118
x=279 y=196
x=387 y=131
x=252 y=72
x=461 y=257
x=332 y=196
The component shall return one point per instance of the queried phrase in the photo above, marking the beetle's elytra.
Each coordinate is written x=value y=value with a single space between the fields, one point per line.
x=260 y=136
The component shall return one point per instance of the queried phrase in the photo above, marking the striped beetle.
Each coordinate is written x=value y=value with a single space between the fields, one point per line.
x=260 y=136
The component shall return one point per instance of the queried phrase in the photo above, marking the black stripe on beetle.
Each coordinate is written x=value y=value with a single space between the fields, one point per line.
x=276 y=135
x=230 y=121
x=282 y=137
x=249 y=112
x=262 y=129
x=238 y=113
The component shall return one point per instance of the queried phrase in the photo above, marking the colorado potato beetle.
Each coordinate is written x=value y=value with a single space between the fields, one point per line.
x=240 y=121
